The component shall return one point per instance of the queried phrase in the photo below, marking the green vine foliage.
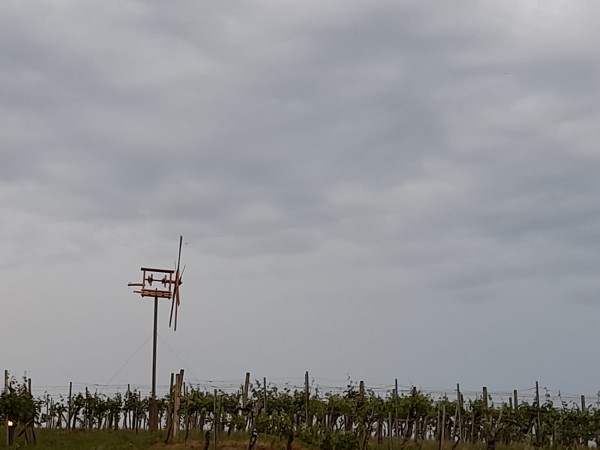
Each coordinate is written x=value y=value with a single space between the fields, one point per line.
x=352 y=419
x=17 y=404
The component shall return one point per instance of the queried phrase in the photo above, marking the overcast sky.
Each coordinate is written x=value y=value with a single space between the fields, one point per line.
x=366 y=189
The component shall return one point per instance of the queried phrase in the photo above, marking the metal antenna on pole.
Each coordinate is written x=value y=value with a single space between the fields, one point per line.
x=170 y=280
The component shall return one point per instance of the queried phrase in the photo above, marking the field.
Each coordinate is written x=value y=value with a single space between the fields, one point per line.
x=355 y=419
x=130 y=440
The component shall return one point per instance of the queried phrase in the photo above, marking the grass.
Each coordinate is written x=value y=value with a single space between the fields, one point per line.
x=129 y=440
x=90 y=440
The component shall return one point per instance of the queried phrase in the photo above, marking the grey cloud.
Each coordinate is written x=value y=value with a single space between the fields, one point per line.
x=388 y=167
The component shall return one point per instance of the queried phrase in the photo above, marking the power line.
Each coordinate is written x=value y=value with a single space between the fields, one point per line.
x=129 y=360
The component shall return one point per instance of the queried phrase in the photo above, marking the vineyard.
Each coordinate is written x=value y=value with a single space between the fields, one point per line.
x=356 y=418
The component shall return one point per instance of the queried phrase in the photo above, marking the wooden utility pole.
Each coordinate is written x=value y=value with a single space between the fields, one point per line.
x=153 y=407
x=171 y=280
x=148 y=278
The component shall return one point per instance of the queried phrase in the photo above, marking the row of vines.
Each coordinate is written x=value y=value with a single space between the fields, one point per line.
x=353 y=419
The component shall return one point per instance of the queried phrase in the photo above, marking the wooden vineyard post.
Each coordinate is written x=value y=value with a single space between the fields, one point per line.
x=442 y=427
x=177 y=403
x=437 y=428
x=390 y=428
x=215 y=420
x=396 y=409
x=186 y=413
x=485 y=416
x=28 y=430
x=306 y=394
x=245 y=391
x=464 y=431
x=48 y=420
x=457 y=432
x=515 y=399
x=126 y=413
x=70 y=405
x=583 y=403
x=265 y=393
x=538 y=422
x=7 y=427
x=485 y=397
x=415 y=425
x=169 y=417
x=365 y=433
x=174 y=404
